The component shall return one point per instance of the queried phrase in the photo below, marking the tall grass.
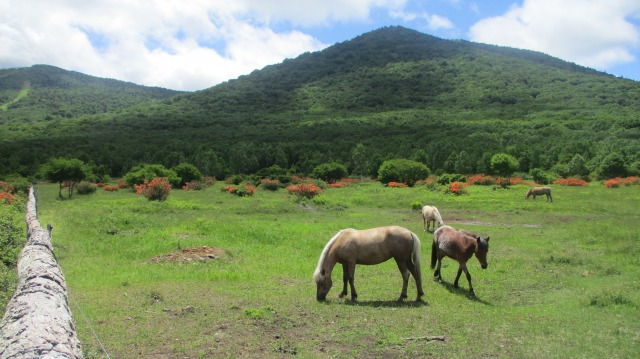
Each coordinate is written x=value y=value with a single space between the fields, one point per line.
x=562 y=277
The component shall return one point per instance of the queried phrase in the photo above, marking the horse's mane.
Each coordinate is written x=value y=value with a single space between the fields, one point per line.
x=440 y=221
x=317 y=276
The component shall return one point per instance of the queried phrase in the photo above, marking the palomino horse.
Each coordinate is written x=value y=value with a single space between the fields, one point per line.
x=459 y=245
x=370 y=246
x=539 y=191
x=431 y=215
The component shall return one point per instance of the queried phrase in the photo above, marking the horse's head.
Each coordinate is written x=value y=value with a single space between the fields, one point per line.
x=324 y=283
x=528 y=194
x=481 y=252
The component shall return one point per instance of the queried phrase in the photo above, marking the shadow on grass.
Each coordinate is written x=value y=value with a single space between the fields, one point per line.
x=386 y=303
x=463 y=292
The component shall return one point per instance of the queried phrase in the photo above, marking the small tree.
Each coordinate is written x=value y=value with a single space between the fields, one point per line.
x=402 y=170
x=330 y=172
x=65 y=171
x=503 y=164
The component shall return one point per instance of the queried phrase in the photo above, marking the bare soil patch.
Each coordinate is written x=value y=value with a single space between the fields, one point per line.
x=190 y=255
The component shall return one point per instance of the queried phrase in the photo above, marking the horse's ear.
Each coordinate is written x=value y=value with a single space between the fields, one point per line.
x=487 y=239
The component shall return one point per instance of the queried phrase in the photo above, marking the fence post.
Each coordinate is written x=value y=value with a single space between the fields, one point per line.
x=37 y=322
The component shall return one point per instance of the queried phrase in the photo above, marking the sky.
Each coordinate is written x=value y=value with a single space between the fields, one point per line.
x=195 y=44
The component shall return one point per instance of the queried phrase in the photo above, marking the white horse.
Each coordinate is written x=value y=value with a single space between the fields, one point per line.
x=431 y=215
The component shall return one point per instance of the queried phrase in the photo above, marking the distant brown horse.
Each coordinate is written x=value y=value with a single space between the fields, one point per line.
x=431 y=216
x=370 y=246
x=459 y=245
x=539 y=191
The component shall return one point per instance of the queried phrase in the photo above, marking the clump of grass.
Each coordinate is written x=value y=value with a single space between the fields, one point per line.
x=257 y=313
x=609 y=299
x=572 y=261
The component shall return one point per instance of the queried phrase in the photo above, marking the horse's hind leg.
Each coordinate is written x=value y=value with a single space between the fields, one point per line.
x=436 y=274
x=455 y=283
x=418 y=277
x=404 y=271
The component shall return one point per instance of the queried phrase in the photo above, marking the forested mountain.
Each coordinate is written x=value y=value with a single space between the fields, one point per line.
x=394 y=92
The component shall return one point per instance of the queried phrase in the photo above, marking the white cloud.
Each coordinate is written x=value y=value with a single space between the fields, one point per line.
x=188 y=45
x=594 y=33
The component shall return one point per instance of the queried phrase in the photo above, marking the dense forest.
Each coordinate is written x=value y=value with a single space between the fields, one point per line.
x=389 y=93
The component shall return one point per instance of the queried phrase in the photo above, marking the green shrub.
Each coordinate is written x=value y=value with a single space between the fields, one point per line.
x=187 y=173
x=403 y=171
x=448 y=178
x=86 y=188
x=416 y=205
x=330 y=172
x=147 y=172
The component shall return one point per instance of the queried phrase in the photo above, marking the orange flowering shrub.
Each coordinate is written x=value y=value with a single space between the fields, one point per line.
x=617 y=182
x=397 y=185
x=340 y=184
x=571 y=182
x=269 y=184
x=111 y=188
x=156 y=190
x=481 y=180
x=240 y=190
x=305 y=190
x=457 y=188
x=7 y=192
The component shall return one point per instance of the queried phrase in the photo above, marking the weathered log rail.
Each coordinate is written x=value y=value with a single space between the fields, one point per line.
x=37 y=322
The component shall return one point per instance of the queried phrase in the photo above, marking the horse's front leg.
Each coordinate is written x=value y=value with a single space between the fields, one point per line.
x=352 y=271
x=345 y=279
x=466 y=272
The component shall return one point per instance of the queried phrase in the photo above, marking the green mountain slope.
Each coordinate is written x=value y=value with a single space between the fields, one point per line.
x=44 y=93
x=394 y=90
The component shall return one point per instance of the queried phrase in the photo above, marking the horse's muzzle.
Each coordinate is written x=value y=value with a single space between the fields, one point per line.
x=484 y=266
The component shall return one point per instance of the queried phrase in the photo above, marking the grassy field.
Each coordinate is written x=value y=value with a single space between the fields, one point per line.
x=563 y=278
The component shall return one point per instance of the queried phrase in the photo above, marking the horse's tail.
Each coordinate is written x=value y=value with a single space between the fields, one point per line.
x=434 y=252
x=416 y=257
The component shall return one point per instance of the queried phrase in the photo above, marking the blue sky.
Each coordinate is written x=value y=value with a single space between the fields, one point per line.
x=195 y=44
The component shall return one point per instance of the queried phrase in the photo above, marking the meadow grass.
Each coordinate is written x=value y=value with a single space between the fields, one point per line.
x=562 y=278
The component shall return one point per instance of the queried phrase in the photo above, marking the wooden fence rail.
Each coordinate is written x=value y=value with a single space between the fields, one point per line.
x=37 y=322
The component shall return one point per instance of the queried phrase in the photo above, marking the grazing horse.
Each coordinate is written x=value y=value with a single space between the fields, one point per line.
x=431 y=215
x=370 y=246
x=539 y=191
x=459 y=245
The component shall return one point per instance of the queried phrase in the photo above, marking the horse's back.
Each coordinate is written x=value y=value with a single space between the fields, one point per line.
x=375 y=245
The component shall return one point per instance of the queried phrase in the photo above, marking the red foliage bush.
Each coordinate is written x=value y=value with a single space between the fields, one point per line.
x=156 y=190
x=110 y=188
x=571 y=182
x=617 y=182
x=397 y=185
x=305 y=190
x=457 y=188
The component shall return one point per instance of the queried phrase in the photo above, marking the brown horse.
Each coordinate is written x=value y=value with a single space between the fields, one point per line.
x=539 y=191
x=431 y=215
x=370 y=246
x=459 y=245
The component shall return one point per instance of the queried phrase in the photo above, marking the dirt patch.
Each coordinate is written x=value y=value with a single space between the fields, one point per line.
x=190 y=255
